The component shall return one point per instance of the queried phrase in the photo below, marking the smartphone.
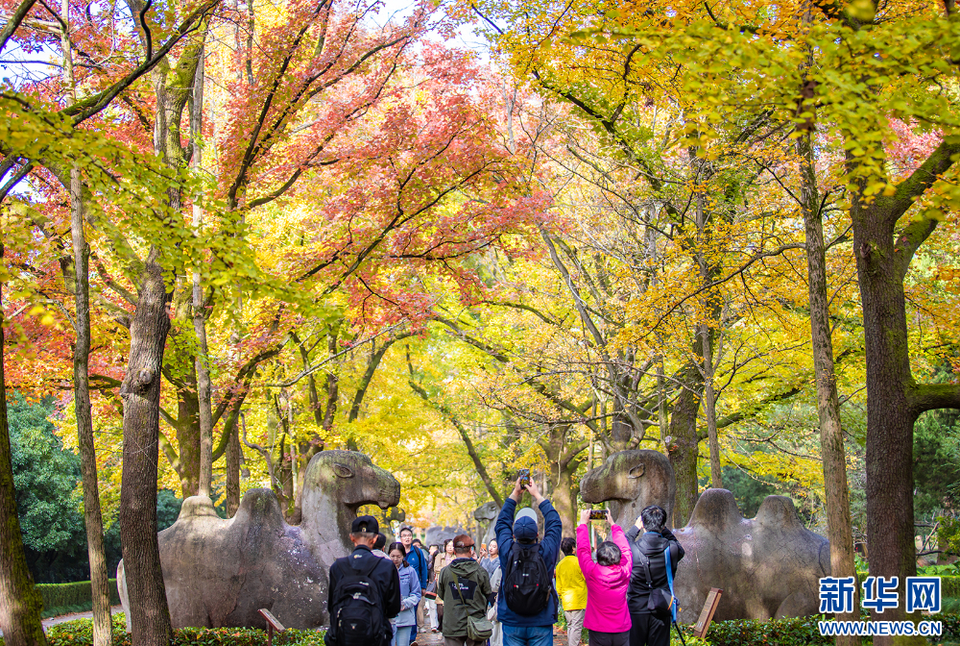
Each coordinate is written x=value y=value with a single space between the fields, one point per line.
x=524 y=476
x=598 y=514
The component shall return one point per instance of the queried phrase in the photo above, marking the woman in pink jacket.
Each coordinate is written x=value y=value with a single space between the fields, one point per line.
x=607 y=616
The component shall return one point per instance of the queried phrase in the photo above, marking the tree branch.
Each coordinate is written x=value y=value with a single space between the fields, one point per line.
x=924 y=397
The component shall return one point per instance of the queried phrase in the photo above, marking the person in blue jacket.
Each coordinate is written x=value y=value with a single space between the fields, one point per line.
x=405 y=622
x=527 y=630
x=418 y=561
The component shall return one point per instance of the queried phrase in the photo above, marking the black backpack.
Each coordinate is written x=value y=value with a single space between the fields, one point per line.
x=528 y=585
x=359 y=620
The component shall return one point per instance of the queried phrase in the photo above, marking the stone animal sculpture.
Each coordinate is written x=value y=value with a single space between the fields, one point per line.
x=767 y=566
x=436 y=535
x=486 y=514
x=220 y=572
x=631 y=480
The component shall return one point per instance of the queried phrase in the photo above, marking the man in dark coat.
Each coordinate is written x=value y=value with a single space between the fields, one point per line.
x=650 y=628
x=382 y=572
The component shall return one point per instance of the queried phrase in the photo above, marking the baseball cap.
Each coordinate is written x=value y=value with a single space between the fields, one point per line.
x=462 y=541
x=365 y=525
x=525 y=530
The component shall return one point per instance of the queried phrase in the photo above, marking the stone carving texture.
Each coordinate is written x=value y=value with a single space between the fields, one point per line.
x=486 y=515
x=220 y=572
x=631 y=480
x=437 y=534
x=768 y=566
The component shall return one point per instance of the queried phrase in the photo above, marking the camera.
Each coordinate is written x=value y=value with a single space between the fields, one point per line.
x=598 y=514
x=524 y=476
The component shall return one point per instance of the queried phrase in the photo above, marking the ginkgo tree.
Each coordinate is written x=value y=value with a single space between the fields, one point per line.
x=837 y=69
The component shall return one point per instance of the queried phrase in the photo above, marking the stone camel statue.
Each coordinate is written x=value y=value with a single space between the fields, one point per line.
x=220 y=572
x=767 y=566
x=486 y=514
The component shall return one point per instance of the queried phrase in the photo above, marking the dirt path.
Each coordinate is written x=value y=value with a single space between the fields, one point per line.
x=53 y=621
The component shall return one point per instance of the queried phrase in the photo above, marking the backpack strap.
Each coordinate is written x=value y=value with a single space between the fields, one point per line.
x=673 y=598
x=645 y=562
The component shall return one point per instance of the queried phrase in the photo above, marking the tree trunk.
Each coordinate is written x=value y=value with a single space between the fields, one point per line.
x=709 y=404
x=894 y=399
x=684 y=450
x=92 y=516
x=188 y=434
x=564 y=457
x=202 y=362
x=20 y=610
x=232 y=468
x=149 y=614
x=565 y=503
x=839 y=525
x=889 y=460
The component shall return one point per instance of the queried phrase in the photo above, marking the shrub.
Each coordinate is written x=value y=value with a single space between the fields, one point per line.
x=951 y=625
x=80 y=633
x=63 y=598
x=792 y=631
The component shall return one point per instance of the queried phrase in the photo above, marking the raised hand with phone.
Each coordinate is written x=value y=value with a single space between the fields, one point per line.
x=587 y=515
x=526 y=483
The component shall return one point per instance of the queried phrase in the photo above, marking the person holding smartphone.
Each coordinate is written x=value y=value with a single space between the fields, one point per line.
x=607 y=616
x=527 y=603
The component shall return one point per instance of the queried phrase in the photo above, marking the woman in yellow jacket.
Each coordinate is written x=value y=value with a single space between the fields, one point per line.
x=572 y=589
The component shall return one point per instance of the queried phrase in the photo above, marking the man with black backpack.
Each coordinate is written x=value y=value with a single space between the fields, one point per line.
x=527 y=603
x=649 y=595
x=364 y=592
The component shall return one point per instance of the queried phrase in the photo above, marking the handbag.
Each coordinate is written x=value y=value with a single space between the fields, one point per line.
x=430 y=592
x=479 y=629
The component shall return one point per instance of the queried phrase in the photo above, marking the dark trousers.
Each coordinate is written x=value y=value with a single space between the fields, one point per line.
x=598 y=638
x=648 y=630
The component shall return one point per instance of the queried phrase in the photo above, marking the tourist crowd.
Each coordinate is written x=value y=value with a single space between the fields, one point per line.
x=511 y=592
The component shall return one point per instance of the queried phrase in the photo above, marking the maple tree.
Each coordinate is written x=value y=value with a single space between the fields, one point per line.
x=361 y=242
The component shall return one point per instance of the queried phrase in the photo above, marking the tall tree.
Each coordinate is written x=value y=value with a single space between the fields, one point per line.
x=20 y=611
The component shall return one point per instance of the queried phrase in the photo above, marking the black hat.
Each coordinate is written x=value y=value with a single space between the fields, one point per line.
x=365 y=525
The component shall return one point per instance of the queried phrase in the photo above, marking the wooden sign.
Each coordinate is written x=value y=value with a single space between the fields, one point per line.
x=706 y=615
x=272 y=624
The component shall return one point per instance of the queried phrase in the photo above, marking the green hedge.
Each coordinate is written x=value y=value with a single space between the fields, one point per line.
x=80 y=633
x=795 y=631
x=63 y=598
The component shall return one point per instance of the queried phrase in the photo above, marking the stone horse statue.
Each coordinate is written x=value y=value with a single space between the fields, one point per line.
x=486 y=514
x=767 y=566
x=631 y=480
x=220 y=572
